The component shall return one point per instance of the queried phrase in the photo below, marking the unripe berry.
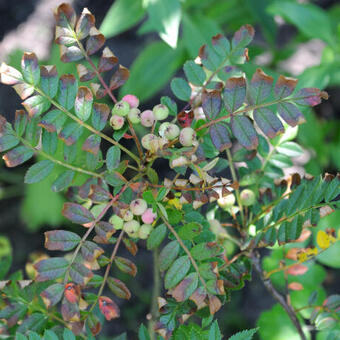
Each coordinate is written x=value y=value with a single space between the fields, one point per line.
x=147 y=118
x=131 y=99
x=148 y=141
x=168 y=130
x=247 y=197
x=226 y=201
x=117 y=222
x=163 y=128
x=117 y=122
x=138 y=206
x=187 y=136
x=131 y=228
x=148 y=217
x=161 y=112
x=121 y=109
x=134 y=116
x=144 y=231
x=127 y=215
x=172 y=132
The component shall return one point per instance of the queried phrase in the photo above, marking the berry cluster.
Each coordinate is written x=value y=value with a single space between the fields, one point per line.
x=136 y=221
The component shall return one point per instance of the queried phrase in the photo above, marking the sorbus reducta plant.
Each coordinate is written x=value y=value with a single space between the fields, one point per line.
x=192 y=218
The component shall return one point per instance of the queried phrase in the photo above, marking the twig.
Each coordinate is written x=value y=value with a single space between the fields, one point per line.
x=155 y=294
x=237 y=191
x=107 y=271
x=277 y=296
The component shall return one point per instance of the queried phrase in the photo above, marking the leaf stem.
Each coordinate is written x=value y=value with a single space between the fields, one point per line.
x=107 y=271
x=57 y=161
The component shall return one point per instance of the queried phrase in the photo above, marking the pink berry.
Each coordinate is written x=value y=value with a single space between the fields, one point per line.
x=138 y=206
x=131 y=99
x=147 y=118
x=187 y=136
x=148 y=217
x=161 y=112
x=117 y=122
x=121 y=109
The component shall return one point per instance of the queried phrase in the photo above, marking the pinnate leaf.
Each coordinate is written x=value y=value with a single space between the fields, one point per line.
x=50 y=269
x=30 y=68
x=113 y=158
x=168 y=255
x=243 y=37
x=119 y=78
x=177 y=272
x=290 y=114
x=53 y=294
x=267 y=121
x=84 y=24
x=185 y=288
x=68 y=87
x=244 y=335
x=284 y=86
x=126 y=266
x=63 y=181
x=17 y=156
x=211 y=103
x=36 y=105
x=39 y=171
x=80 y=274
x=92 y=144
x=61 y=240
x=181 y=89
x=118 y=288
x=83 y=103
x=244 y=132
x=194 y=73
x=77 y=213
x=234 y=93
x=220 y=136
x=100 y=114
x=70 y=54
x=95 y=41
x=260 y=86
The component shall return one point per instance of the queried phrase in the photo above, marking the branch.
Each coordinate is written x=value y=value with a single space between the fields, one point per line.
x=277 y=296
x=107 y=271
x=86 y=126
x=57 y=161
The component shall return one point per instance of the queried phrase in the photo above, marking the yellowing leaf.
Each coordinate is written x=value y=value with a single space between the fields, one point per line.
x=323 y=240
x=176 y=203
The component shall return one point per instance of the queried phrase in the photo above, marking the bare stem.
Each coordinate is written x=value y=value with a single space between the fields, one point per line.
x=187 y=251
x=107 y=271
x=156 y=292
x=277 y=296
x=237 y=191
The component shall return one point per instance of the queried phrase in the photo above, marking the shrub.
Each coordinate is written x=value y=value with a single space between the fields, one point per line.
x=226 y=200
